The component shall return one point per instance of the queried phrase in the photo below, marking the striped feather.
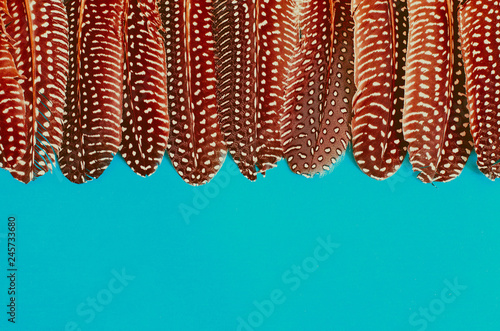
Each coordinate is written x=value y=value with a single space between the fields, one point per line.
x=40 y=51
x=12 y=110
x=145 y=123
x=435 y=117
x=479 y=23
x=254 y=42
x=92 y=131
x=315 y=126
x=195 y=146
x=380 y=37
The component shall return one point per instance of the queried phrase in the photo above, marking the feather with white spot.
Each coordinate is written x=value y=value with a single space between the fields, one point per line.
x=254 y=43
x=39 y=32
x=195 y=144
x=145 y=123
x=435 y=115
x=12 y=109
x=479 y=24
x=92 y=117
x=317 y=113
x=380 y=38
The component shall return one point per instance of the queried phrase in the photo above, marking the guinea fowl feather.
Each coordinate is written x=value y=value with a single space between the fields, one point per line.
x=435 y=117
x=380 y=37
x=145 y=123
x=92 y=117
x=12 y=110
x=479 y=23
x=316 y=123
x=38 y=31
x=195 y=145
x=254 y=42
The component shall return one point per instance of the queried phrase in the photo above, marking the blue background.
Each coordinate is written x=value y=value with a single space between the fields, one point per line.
x=200 y=258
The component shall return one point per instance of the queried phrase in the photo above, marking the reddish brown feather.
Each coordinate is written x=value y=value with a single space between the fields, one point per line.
x=92 y=131
x=315 y=127
x=435 y=120
x=145 y=115
x=254 y=41
x=480 y=35
x=195 y=144
x=39 y=32
x=380 y=35
x=12 y=110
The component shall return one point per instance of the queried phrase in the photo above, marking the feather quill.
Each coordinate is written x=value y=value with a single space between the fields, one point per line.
x=316 y=122
x=435 y=116
x=145 y=123
x=254 y=42
x=92 y=117
x=479 y=23
x=39 y=32
x=195 y=145
x=12 y=110
x=380 y=37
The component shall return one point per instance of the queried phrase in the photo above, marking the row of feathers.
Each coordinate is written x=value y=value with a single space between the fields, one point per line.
x=261 y=79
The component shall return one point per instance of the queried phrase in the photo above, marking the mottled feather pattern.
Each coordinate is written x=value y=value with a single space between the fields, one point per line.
x=81 y=80
x=380 y=38
x=39 y=32
x=479 y=23
x=12 y=109
x=92 y=117
x=145 y=124
x=315 y=126
x=195 y=145
x=254 y=42
x=435 y=117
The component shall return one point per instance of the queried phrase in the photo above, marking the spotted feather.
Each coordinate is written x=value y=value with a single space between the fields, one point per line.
x=39 y=32
x=479 y=23
x=195 y=146
x=380 y=37
x=12 y=110
x=315 y=126
x=145 y=123
x=435 y=116
x=92 y=117
x=254 y=42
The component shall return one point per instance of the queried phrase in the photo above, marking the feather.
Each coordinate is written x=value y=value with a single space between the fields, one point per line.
x=12 y=110
x=435 y=116
x=92 y=117
x=380 y=36
x=479 y=23
x=254 y=42
x=40 y=51
x=315 y=126
x=145 y=115
x=195 y=146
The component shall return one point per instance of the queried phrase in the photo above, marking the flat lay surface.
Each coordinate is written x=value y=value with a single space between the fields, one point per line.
x=128 y=253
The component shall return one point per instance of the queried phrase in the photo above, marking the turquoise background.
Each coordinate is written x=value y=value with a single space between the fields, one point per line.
x=205 y=258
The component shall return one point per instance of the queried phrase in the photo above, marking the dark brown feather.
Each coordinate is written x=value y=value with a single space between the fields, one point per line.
x=145 y=123
x=92 y=117
x=316 y=122
x=380 y=37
